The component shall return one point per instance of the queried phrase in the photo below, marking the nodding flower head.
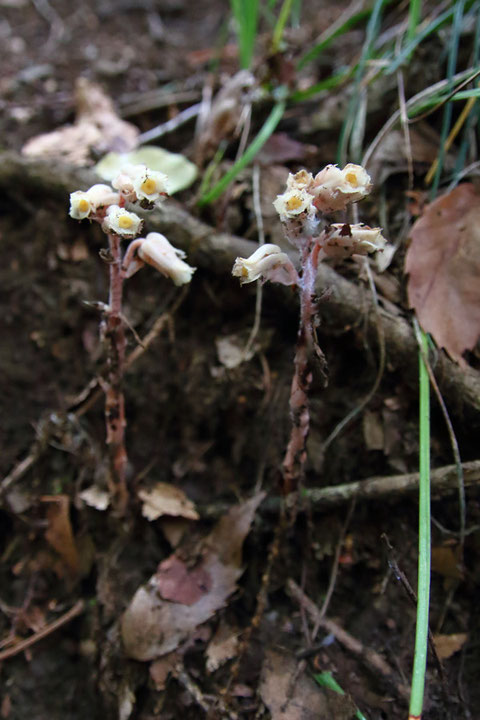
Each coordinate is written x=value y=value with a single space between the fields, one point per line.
x=120 y=222
x=302 y=180
x=157 y=251
x=293 y=202
x=334 y=189
x=342 y=240
x=86 y=204
x=137 y=182
x=268 y=262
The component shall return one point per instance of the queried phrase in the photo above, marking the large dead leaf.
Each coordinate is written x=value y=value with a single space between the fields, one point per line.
x=182 y=595
x=288 y=698
x=443 y=263
x=97 y=128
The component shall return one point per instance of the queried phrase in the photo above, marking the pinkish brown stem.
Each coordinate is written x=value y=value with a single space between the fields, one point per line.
x=296 y=454
x=114 y=400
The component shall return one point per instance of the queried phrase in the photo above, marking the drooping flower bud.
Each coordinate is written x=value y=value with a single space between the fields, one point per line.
x=342 y=240
x=267 y=262
x=334 y=189
x=121 y=222
x=157 y=251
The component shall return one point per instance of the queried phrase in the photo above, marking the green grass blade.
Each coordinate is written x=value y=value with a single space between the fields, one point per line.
x=424 y=538
x=315 y=51
x=280 y=25
x=367 y=52
x=414 y=13
x=256 y=145
x=326 y=679
x=245 y=13
x=432 y=27
x=328 y=84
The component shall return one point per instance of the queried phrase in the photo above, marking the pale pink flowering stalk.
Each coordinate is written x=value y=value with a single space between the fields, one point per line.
x=105 y=205
x=305 y=197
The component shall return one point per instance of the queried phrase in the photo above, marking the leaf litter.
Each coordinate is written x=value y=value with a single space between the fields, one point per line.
x=443 y=264
x=186 y=592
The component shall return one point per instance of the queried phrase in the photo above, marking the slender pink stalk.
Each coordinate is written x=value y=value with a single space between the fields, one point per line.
x=113 y=384
x=296 y=453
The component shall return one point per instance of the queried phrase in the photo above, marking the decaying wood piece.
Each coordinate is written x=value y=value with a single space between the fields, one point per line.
x=349 y=304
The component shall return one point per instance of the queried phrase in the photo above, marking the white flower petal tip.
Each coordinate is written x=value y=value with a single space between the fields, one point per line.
x=268 y=262
x=342 y=240
x=157 y=251
x=121 y=222
x=294 y=201
x=138 y=183
x=334 y=189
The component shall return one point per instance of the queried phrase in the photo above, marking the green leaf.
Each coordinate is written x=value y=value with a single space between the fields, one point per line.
x=181 y=172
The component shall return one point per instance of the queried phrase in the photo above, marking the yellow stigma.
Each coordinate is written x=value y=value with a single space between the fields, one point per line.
x=125 y=222
x=83 y=205
x=148 y=186
x=351 y=178
x=293 y=203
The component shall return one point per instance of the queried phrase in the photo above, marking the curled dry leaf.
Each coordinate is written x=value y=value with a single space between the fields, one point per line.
x=152 y=625
x=166 y=499
x=443 y=263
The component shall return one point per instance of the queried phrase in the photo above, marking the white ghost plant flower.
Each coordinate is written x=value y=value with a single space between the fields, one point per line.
x=334 y=189
x=293 y=202
x=302 y=180
x=267 y=262
x=157 y=251
x=137 y=183
x=342 y=240
x=80 y=205
x=86 y=204
x=121 y=222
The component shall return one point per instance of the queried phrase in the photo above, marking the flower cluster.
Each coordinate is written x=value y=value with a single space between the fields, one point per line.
x=331 y=190
x=105 y=205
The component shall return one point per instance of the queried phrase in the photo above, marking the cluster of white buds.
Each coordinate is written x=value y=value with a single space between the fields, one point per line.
x=330 y=190
x=266 y=263
x=137 y=183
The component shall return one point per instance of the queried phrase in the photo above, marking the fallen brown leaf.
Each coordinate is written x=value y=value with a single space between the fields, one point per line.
x=152 y=625
x=59 y=533
x=448 y=645
x=443 y=263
